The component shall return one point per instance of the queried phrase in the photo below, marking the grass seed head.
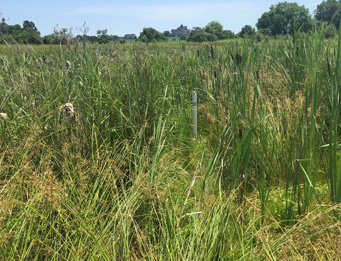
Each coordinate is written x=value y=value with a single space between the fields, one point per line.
x=3 y=116
x=68 y=64
x=68 y=111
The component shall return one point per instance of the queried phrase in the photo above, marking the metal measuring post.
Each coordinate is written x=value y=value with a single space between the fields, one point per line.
x=194 y=114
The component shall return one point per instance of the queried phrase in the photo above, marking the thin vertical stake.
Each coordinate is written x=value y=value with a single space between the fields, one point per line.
x=195 y=114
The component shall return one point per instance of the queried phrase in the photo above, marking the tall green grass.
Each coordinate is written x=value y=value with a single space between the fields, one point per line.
x=117 y=182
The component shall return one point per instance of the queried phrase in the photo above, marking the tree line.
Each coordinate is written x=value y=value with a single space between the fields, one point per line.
x=281 y=19
x=29 y=34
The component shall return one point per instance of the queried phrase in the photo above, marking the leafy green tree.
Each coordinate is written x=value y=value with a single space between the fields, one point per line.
x=183 y=37
x=247 y=30
x=14 y=30
x=150 y=34
x=91 y=38
x=211 y=32
x=143 y=38
x=50 y=39
x=102 y=36
x=30 y=26
x=330 y=31
x=31 y=33
x=62 y=35
x=228 y=34
x=167 y=33
x=198 y=34
x=266 y=31
x=215 y=30
x=10 y=33
x=284 y=18
x=329 y=11
x=337 y=17
x=26 y=34
x=114 y=38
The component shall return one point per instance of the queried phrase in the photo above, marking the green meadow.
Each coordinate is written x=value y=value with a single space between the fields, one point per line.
x=122 y=177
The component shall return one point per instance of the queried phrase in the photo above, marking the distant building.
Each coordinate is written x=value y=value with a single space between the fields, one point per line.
x=129 y=36
x=180 y=31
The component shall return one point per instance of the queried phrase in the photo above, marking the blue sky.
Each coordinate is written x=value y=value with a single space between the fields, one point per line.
x=123 y=17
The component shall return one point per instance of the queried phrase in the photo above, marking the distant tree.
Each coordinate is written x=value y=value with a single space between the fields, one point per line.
x=30 y=26
x=228 y=34
x=62 y=35
x=337 y=17
x=50 y=39
x=329 y=11
x=30 y=33
x=330 y=31
x=14 y=30
x=214 y=30
x=26 y=34
x=266 y=31
x=143 y=38
x=284 y=18
x=150 y=34
x=91 y=38
x=102 y=36
x=247 y=30
x=115 y=38
x=9 y=33
x=167 y=33
x=198 y=34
